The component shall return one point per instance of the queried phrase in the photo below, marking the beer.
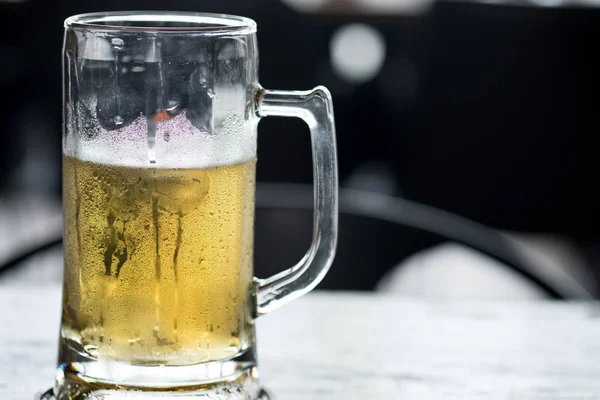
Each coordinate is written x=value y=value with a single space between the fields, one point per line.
x=158 y=262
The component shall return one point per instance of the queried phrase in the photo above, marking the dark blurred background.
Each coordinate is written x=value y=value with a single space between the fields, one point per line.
x=483 y=109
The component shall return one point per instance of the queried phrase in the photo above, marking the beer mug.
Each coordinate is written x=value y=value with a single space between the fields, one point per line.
x=159 y=152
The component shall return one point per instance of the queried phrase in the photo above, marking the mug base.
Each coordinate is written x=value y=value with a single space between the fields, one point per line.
x=245 y=387
x=49 y=395
x=235 y=378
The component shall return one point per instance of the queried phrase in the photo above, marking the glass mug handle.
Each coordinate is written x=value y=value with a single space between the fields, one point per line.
x=315 y=107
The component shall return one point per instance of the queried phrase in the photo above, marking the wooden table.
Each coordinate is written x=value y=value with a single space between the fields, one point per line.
x=334 y=346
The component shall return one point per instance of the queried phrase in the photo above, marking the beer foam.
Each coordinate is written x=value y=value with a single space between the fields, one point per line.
x=177 y=144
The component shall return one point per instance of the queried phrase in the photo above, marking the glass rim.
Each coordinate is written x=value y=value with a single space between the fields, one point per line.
x=207 y=23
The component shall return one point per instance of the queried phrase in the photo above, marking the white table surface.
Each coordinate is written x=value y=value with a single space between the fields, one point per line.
x=335 y=346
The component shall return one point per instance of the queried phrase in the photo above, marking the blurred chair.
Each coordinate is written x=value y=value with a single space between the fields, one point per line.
x=378 y=232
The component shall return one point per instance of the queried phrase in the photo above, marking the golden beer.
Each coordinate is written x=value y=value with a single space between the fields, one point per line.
x=158 y=262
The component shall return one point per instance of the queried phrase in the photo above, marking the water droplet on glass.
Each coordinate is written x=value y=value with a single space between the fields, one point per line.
x=172 y=105
x=117 y=43
x=167 y=136
x=118 y=120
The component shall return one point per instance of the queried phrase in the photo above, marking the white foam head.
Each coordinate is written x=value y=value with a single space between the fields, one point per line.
x=176 y=144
